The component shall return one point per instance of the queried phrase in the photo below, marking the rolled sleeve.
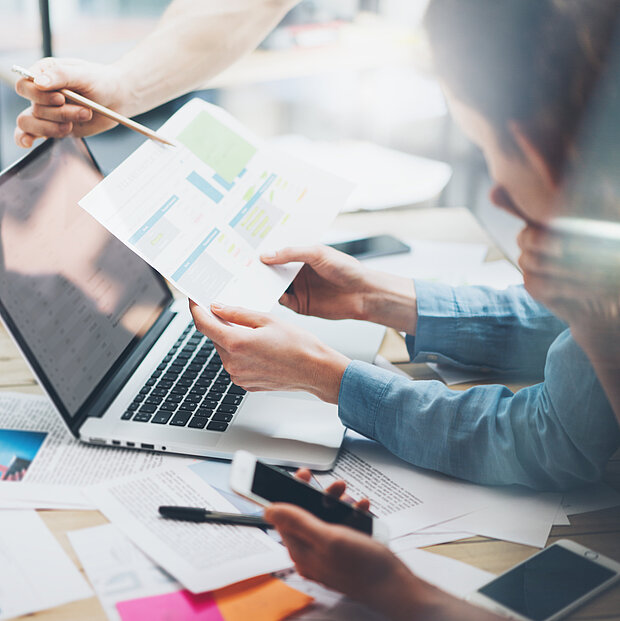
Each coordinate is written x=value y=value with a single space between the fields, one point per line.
x=500 y=331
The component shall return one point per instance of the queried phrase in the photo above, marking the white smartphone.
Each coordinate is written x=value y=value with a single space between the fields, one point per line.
x=265 y=484
x=550 y=584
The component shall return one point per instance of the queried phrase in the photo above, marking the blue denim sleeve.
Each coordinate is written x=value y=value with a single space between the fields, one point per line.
x=481 y=328
x=554 y=435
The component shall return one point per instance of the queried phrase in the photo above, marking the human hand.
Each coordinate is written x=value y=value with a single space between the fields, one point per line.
x=262 y=353
x=572 y=282
x=347 y=561
x=51 y=115
x=334 y=285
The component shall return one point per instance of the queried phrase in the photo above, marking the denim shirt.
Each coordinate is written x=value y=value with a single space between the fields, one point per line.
x=556 y=434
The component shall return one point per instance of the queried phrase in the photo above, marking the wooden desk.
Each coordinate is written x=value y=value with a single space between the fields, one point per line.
x=599 y=530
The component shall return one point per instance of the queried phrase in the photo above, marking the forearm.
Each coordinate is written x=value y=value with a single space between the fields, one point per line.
x=603 y=350
x=193 y=42
x=390 y=300
x=407 y=598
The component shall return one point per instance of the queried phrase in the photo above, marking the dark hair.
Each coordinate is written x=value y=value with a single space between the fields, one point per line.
x=531 y=61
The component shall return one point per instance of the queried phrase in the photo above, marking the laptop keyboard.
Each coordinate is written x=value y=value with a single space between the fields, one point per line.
x=190 y=388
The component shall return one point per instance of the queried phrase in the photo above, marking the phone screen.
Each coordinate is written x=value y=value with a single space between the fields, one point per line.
x=367 y=247
x=276 y=486
x=547 y=583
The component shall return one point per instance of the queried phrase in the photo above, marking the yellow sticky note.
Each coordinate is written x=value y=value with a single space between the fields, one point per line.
x=261 y=599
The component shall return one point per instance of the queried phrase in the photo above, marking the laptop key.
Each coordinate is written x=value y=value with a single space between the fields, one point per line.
x=168 y=406
x=232 y=399
x=176 y=394
x=203 y=412
x=198 y=422
x=180 y=419
x=141 y=418
x=127 y=415
x=217 y=426
x=133 y=406
x=236 y=390
x=227 y=409
x=220 y=416
x=188 y=407
x=166 y=384
x=147 y=408
x=161 y=418
x=153 y=400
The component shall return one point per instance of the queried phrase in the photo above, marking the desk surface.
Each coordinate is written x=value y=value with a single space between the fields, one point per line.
x=599 y=530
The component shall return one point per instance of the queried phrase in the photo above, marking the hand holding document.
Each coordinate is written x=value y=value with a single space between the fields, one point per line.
x=202 y=213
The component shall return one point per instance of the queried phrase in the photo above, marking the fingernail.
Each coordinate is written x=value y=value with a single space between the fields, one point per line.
x=43 y=80
x=217 y=306
x=269 y=255
x=84 y=114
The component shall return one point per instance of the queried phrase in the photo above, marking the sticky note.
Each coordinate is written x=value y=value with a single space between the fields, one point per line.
x=171 y=607
x=260 y=599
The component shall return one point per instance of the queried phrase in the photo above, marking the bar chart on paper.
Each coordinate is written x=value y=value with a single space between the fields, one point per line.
x=203 y=212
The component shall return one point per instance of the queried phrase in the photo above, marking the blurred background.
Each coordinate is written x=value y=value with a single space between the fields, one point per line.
x=333 y=72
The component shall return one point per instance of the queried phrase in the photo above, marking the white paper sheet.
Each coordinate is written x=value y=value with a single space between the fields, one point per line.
x=383 y=177
x=63 y=464
x=424 y=538
x=448 y=262
x=591 y=498
x=453 y=375
x=406 y=498
x=35 y=573
x=410 y=499
x=117 y=569
x=202 y=557
x=454 y=577
x=203 y=212
x=521 y=516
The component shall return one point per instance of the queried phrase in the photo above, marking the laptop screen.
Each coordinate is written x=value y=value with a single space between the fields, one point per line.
x=72 y=294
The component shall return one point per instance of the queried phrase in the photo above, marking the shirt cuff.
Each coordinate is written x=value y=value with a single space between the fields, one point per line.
x=438 y=317
x=362 y=390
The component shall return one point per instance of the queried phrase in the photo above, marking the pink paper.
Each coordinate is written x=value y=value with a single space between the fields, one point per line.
x=171 y=607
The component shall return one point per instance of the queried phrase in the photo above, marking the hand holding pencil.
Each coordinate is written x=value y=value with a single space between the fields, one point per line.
x=58 y=110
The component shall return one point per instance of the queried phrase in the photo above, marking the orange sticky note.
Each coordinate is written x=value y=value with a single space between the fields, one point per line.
x=260 y=599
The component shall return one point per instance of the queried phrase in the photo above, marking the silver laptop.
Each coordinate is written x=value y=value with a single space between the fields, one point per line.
x=117 y=354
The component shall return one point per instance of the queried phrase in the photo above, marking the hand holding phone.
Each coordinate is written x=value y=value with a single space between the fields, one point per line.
x=265 y=484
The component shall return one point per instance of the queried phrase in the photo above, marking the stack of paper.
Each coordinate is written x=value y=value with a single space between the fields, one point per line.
x=35 y=573
x=131 y=587
x=54 y=466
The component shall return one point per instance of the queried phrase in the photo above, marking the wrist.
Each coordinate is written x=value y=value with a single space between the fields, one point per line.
x=391 y=301
x=324 y=374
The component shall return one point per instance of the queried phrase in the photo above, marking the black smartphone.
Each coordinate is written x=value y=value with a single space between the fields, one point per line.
x=265 y=484
x=375 y=246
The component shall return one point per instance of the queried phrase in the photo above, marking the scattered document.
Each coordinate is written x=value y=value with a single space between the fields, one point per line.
x=201 y=213
x=405 y=497
x=131 y=587
x=54 y=464
x=590 y=498
x=454 y=577
x=201 y=556
x=117 y=569
x=383 y=177
x=425 y=538
x=412 y=500
x=452 y=376
x=520 y=515
x=35 y=573
x=448 y=262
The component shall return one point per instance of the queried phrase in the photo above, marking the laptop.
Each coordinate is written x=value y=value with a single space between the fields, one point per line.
x=117 y=354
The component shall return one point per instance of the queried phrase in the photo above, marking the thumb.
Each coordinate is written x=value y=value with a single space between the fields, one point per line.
x=50 y=74
x=239 y=316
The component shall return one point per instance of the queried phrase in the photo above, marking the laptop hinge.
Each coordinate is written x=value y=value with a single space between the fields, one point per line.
x=108 y=389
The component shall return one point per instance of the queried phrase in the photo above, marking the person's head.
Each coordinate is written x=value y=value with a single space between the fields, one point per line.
x=519 y=75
